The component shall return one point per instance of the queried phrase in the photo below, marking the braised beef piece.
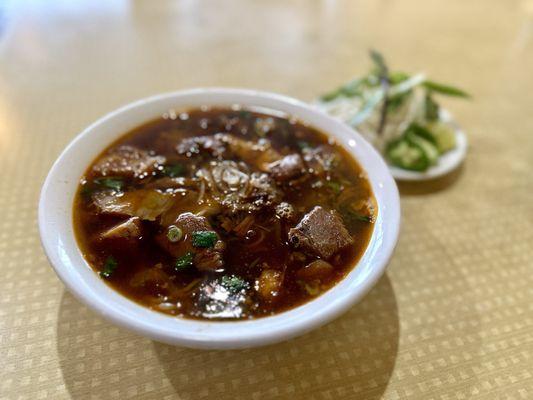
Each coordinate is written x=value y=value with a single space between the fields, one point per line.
x=237 y=189
x=287 y=168
x=212 y=145
x=128 y=230
x=320 y=232
x=285 y=211
x=258 y=154
x=127 y=161
x=205 y=258
x=224 y=146
x=143 y=203
x=321 y=159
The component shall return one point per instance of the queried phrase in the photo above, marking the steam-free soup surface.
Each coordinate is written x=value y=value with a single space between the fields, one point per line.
x=223 y=214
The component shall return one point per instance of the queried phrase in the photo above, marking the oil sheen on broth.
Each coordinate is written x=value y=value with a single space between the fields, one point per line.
x=223 y=214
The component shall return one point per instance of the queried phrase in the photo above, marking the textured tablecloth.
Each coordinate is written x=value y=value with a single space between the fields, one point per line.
x=453 y=316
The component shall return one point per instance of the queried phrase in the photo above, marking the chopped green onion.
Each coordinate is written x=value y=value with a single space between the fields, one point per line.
x=184 y=262
x=110 y=183
x=110 y=265
x=174 y=234
x=234 y=284
x=174 y=170
x=204 y=239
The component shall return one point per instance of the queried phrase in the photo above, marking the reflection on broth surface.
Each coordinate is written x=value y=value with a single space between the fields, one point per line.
x=223 y=214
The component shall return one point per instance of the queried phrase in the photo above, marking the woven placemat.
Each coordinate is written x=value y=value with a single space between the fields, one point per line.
x=453 y=316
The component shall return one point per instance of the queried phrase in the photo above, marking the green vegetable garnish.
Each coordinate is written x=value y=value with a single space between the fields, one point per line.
x=385 y=101
x=110 y=183
x=110 y=265
x=405 y=155
x=444 y=136
x=352 y=216
x=431 y=108
x=426 y=143
x=184 y=262
x=204 y=239
x=174 y=170
x=234 y=284
x=245 y=114
x=421 y=131
x=444 y=89
x=398 y=77
x=174 y=234
x=335 y=186
x=302 y=144
x=383 y=74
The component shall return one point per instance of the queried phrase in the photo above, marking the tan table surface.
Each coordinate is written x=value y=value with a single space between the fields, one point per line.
x=453 y=316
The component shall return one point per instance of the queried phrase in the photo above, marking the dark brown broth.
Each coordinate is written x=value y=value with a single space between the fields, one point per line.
x=288 y=136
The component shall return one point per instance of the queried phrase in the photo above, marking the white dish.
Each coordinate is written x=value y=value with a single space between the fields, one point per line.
x=57 y=235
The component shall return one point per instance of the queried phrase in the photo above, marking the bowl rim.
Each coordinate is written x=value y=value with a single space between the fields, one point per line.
x=59 y=243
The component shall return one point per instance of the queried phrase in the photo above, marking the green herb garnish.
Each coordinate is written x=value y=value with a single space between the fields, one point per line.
x=204 y=239
x=335 y=186
x=245 y=114
x=351 y=215
x=383 y=74
x=174 y=234
x=110 y=183
x=302 y=144
x=444 y=89
x=364 y=218
x=174 y=170
x=431 y=108
x=384 y=99
x=234 y=284
x=184 y=262
x=110 y=265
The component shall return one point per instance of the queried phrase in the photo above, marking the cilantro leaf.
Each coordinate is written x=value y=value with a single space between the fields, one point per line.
x=204 y=238
x=184 y=262
x=110 y=183
x=174 y=170
x=234 y=284
x=110 y=265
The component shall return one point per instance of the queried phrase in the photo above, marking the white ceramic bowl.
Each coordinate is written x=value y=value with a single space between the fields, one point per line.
x=57 y=235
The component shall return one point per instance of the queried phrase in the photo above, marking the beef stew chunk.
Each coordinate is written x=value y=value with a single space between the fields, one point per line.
x=127 y=161
x=223 y=214
x=321 y=233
